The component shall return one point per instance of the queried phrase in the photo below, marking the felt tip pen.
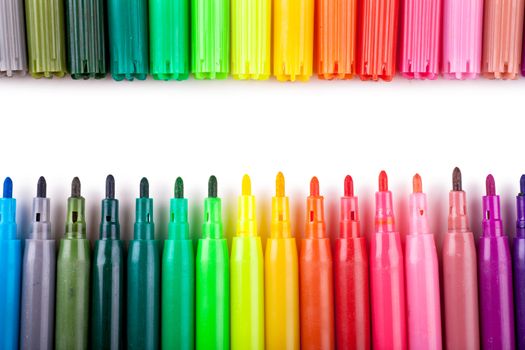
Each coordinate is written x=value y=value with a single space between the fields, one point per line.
x=460 y=278
x=107 y=303
x=387 y=279
x=10 y=270
x=38 y=277
x=178 y=277
x=352 y=303
x=247 y=276
x=13 y=59
x=281 y=271
x=143 y=277
x=422 y=274
x=213 y=278
x=495 y=276
x=73 y=269
x=316 y=277
x=519 y=266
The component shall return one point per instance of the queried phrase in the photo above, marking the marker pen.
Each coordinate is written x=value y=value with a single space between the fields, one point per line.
x=85 y=35
x=38 y=277
x=387 y=280
x=213 y=278
x=315 y=277
x=143 y=277
x=46 y=44
x=281 y=277
x=169 y=39
x=352 y=304
x=107 y=304
x=460 y=279
x=495 y=277
x=247 y=276
x=422 y=273
x=10 y=265
x=12 y=38
x=519 y=266
x=128 y=39
x=462 y=38
x=502 y=38
x=73 y=265
x=178 y=277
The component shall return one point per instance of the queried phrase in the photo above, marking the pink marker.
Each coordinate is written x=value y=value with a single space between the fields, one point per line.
x=421 y=266
x=386 y=276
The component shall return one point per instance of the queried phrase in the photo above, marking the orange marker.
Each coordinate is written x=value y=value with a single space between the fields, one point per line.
x=315 y=278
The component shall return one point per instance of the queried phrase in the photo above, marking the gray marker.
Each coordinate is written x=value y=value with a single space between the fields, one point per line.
x=38 y=278
x=12 y=38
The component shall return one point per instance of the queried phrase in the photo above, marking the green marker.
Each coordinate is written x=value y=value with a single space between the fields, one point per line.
x=178 y=277
x=213 y=278
x=72 y=290
x=143 y=277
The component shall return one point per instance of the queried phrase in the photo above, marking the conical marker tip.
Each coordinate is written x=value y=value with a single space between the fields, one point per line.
x=179 y=188
x=212 y=187
x=144 y=188
x=8 y=188
x=41 y=188
x=383 y=181
x=110 y=187
x=314 y=187
x=279 y=185
x=490 y=185
x=417 y=184
x=349 y=186
x=75 y=187
x=246 y=185
x=457 y=184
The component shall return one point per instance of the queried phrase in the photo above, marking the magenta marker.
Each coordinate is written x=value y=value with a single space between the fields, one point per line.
x=495 y=277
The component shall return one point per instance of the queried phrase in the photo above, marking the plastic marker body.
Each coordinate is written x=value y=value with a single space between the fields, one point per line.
x=73 y=268
x=377 y=44
x=10 y=266
x=213 y=278
x=143 y=277
x=519 y=266
x=422 y=274
x=46 y=44
x=169 y=23
x=178 y=277
x=12 y=38
x=462 y=38
x=107 y=305
x=352 y=304
x=460 y=279
x=247 y=277
x=387 y=280
x=495 y=277
x=128 y=39
x=293 y=39
x=502 y=38
x=315 y=277
x=281 y=277
x=37 y=318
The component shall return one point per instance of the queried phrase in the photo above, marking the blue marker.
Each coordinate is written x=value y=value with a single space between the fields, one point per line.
x=10 y=261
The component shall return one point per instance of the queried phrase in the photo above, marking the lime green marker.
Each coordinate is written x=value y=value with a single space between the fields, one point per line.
x=213 y=278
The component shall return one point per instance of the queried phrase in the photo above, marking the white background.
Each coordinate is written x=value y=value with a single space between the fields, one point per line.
x=64 y=128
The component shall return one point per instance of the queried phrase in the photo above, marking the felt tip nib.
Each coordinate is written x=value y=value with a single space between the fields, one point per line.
x=383 y=181
x=144 y=188
x=179 y=188
x=212 y=187
x=522 y=185
x=491 y=186
x=246 y=186
x=417 y=184
x=279 y=185
x=457 y=184
x=8 y=188
x=349 y=186
x=41 y=188
x=110 y=187
x=75 y=187
x=314 y=187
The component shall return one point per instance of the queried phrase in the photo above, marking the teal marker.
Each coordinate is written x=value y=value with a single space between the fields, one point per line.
x=143 y=277
x=178 y=277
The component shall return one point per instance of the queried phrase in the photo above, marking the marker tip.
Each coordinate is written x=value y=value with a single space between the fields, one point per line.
x=490 y=185
x=110 y=187
x=349 y=186
x=212 y=187
x=314 y=187
x=75 y=187
x=457 y=184
x=41 y=188
x=279 y=185
x=144 y=188
x=417 y=184
x=383 y=181
x=8 y=188
x=179 y=188
x=522 y=185
x=246 y=185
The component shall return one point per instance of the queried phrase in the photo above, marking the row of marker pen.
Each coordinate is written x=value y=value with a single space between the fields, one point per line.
x=289 y=298
x=254 y=39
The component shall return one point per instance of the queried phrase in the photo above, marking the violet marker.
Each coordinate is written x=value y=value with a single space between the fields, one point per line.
x=495 y=277
x=519 y=266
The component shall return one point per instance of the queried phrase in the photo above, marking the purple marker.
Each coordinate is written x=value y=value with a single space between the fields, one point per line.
x=495 y=277
x=519 y=266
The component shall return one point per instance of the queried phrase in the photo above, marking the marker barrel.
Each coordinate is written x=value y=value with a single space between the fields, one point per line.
x=10 y=264
x=12 y=38
x=519 y=289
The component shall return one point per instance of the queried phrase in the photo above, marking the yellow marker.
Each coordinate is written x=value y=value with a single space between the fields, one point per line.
x=247 y=282
x=281 y=277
